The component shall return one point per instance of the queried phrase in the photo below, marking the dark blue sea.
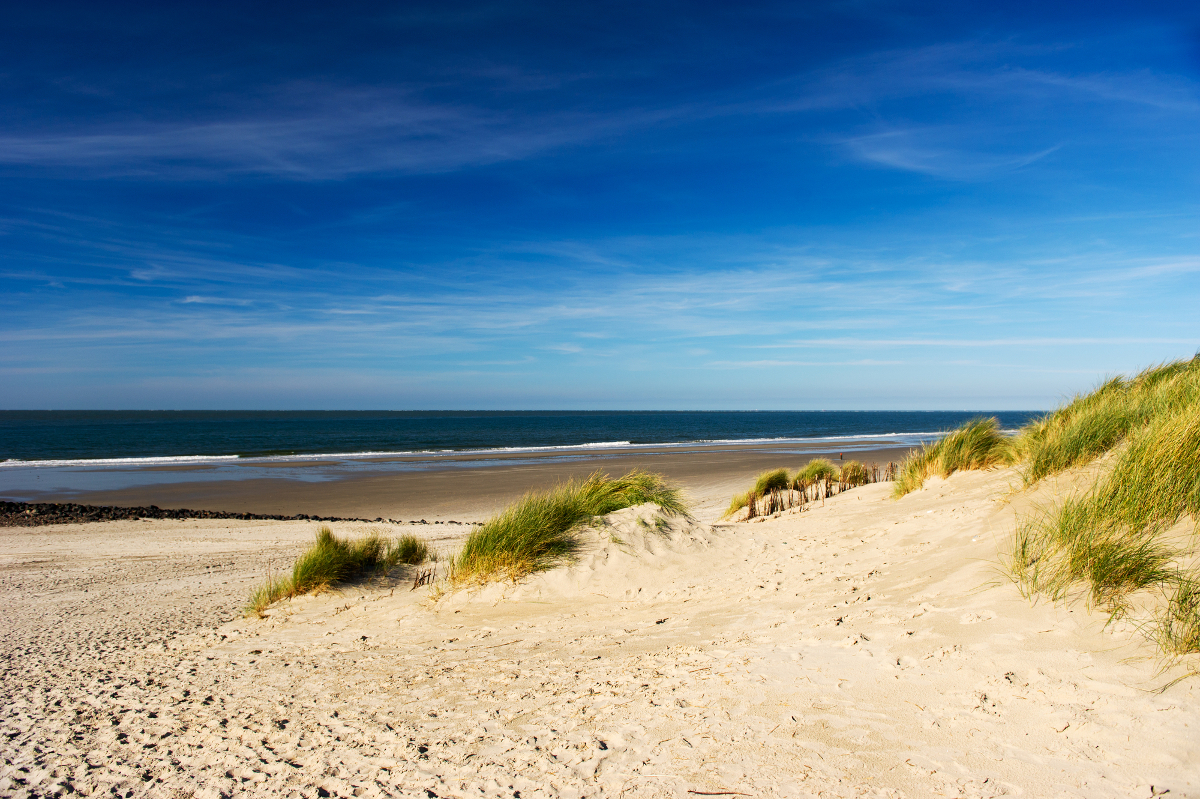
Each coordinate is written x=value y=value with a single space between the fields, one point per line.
x=178 y=434
x=59 y=453
x=174 y=435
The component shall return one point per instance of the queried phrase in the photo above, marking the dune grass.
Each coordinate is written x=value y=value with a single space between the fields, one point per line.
x=855 y=473
x=738 y=502
x=815 y=471
x=1110 y=541
x=332 y=560
x=774 y=480
x=411 y=550
x=1092 y=424
x=538 y=531
x=978 y=444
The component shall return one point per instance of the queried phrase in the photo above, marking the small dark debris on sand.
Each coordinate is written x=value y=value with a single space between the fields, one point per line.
x=36 y=514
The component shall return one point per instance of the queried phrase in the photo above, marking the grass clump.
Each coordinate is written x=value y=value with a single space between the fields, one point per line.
x=815 y=471
x=1092 y=424
x=1076 y=545
x=1110 y=541
x=738 y=502
x=411 y=550
x=538 y=531
x=332 y=560
x=774 y=480
x=855 y=473
x=978 y=444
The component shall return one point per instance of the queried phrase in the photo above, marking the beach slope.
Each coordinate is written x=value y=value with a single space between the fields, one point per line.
x=866 y=647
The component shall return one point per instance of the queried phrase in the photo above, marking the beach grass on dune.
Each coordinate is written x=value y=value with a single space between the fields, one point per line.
x=765 y=483
x=1092 y=424
x=736 y=503
x=1110 y=541
x=854 y=473
x=819 y=474
x=815 y=471
x=411 y=550
x=538 y=531
x=773 y=480
x=332 y=560
x=978 y=444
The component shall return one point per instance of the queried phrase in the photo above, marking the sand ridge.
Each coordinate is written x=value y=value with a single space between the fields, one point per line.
x=868 y=647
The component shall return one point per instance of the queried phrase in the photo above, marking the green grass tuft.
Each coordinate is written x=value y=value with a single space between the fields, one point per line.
x=815 y=471
x=774 y=480
x=1110 y=541
x=538 y=531
x=411 y=550
x=1177 y=626
x=855 y=474
x=1093 y=424
x=1074 y=545
x=332 y=560
x=738 y=502
x=978 y=444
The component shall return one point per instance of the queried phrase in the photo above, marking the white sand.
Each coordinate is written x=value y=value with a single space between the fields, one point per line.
x=866 y=648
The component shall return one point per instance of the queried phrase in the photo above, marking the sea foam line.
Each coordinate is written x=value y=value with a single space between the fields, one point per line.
x=916 y=437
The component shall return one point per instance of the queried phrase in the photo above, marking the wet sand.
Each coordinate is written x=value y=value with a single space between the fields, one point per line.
x=463 y=487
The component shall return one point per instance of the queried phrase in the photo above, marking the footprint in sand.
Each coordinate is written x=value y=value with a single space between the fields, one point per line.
x=975 y=618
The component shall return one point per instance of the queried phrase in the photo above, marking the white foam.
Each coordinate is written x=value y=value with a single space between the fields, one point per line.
x=168 y=460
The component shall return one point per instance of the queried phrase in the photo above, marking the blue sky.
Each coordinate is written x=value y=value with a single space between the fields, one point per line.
x=522 y=205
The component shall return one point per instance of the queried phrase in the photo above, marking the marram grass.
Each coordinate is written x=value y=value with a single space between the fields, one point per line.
x=537 y=532
x=1093 y=424
x=774 y=480
x=815 y=471
x=855 y=474
x=738 y=502
x=332 y=560
x=1109 y=542
x=978 y=444
x=765 y=483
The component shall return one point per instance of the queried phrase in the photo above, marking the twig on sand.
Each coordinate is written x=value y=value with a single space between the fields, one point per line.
x=718 y=793
x=422 y=578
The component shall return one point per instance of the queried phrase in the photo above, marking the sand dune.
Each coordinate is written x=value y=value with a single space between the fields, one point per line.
x=868 y=647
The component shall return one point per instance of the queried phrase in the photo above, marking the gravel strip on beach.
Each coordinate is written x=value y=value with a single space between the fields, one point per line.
x=38 y=514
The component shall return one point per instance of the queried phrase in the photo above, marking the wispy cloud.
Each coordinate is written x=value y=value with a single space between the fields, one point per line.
x=195 y=299
x=347 y=132
x=939 y=152
x=970 y=343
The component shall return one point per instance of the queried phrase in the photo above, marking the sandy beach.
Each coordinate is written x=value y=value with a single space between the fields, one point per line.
x=866 y=647
x=459 y=486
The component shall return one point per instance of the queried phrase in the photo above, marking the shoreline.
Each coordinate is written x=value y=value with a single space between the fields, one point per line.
x=466 y=487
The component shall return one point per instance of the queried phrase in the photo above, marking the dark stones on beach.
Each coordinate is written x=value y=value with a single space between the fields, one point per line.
x=37 y=514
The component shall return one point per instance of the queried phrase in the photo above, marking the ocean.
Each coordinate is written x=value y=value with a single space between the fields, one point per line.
x=58 y=455
x=29 y=438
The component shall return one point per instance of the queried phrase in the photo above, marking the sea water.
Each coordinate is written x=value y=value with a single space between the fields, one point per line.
x=50 y=452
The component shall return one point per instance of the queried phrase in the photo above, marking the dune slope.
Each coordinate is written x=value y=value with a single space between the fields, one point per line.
x=868 y=647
